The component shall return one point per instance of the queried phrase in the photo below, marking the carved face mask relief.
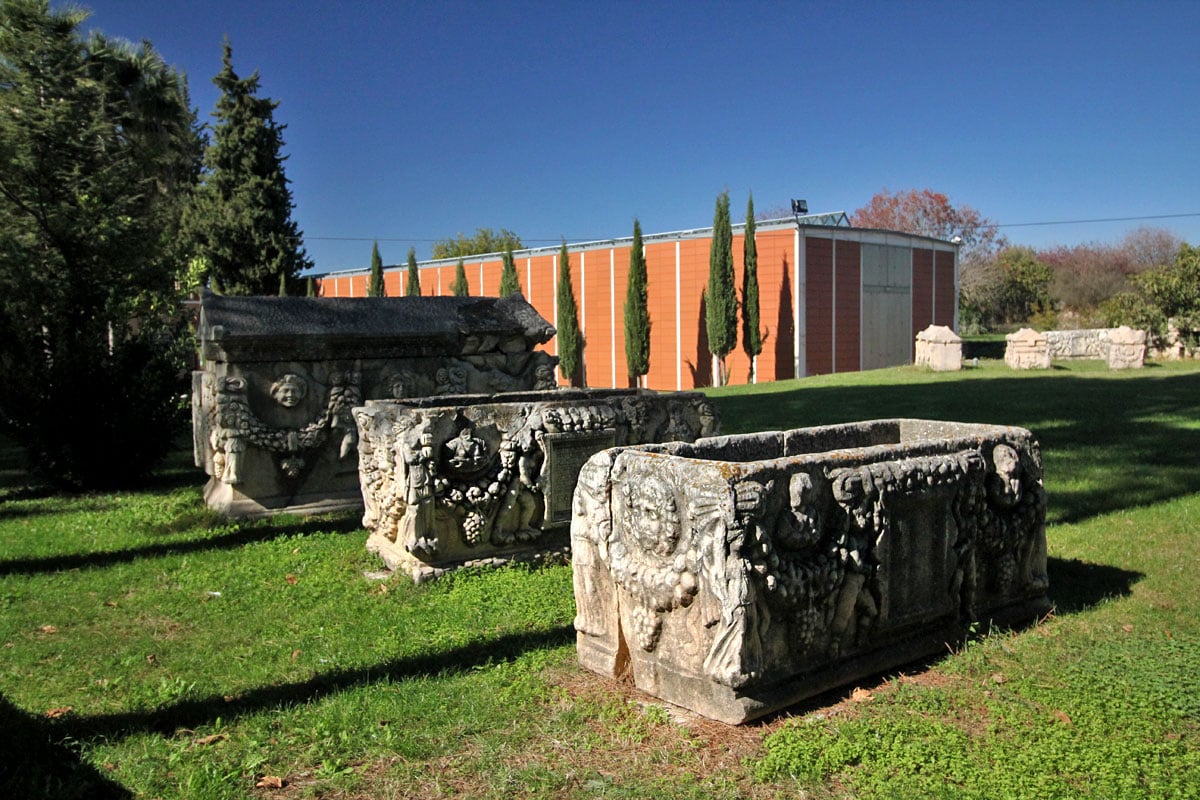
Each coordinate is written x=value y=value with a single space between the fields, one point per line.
x=289 y=390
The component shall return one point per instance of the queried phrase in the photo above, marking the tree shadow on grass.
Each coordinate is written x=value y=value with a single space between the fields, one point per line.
x=1076 y=585
x=191 y=714
x=256 y=532
x=1108 y=443
x=32 y=764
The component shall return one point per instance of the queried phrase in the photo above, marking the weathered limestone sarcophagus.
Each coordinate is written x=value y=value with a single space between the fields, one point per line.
x=939 y=348
x=271 y=410
x=1027 y=349
x=740 y=574
x=463 y=480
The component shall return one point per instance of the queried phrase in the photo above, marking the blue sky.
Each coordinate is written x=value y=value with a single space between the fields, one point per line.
x=410 y=122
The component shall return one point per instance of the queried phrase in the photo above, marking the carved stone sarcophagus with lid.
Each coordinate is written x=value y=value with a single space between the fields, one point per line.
x=271 y=408
x=740 y=574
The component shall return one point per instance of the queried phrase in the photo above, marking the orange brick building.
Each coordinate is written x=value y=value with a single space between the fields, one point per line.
x=832 y=298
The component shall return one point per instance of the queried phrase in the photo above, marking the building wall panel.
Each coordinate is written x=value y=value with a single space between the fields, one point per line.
x=593 y=295
x=818 y=305
x=922 y=289
x=848 y=320
x=774 y=308
x=946 y=294
x=660 y=290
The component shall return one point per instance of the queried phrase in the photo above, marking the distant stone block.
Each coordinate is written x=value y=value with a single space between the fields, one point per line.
x=1027 y=349
x=740 y=574
x=1126 y=348
x=939 y=348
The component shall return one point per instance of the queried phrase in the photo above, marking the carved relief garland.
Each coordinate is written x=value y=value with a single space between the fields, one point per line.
x=235 y=426
x=484 y=493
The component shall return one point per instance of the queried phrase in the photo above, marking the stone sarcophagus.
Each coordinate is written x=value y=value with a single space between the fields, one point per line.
x=740 y=574
x=272 y=418
x=454 y=481
x=939 y=348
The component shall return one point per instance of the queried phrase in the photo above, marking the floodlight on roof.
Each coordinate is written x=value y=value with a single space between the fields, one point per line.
x=799 y=207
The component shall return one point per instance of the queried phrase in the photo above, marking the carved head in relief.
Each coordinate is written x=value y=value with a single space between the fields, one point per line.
x=289 y=390
x=652 y=516
x=1004 y=486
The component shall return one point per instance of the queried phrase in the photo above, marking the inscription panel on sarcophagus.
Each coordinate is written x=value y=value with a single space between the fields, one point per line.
x=566 y=453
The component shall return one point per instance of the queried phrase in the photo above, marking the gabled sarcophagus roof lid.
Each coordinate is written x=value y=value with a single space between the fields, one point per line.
x=307 y=328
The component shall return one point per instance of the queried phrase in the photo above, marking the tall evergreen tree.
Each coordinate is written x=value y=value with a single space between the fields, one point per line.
x=721 y=311
x=375 y=283
x=98 y=146
x=414 y=274
x=752 y=340
x=240 y=218
x=509 y=282
x=460 y=287
x=311 y=288
x=637 y=313
x=570 y=339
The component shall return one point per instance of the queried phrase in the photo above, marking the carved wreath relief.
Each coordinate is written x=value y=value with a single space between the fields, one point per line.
x=234 y=426
x=797 y=564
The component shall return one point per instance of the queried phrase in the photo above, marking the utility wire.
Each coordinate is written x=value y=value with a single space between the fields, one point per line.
x=1087 y=221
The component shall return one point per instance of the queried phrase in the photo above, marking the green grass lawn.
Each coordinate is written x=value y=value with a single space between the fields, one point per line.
x=148 y=649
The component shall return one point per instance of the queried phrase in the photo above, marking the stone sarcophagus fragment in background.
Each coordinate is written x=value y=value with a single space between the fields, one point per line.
x=739 y=574
x=486 y=479
x=272 y=420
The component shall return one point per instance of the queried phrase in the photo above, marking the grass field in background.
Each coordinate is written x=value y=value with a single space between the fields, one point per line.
x=149 y=649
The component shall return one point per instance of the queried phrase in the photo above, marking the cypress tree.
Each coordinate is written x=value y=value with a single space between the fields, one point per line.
x=460 y=286
x=721 y=312
x=752 y=340
x=509 y=283
x=637 y=314
x=240 y=217
x=414 y=274
x=570 y=339
x=375 y=285
x=283 y=287
x=312 y=287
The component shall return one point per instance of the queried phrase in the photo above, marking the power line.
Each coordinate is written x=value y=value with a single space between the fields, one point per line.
x=1088 y=221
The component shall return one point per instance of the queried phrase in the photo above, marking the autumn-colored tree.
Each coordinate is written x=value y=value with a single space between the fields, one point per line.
x=414 y=275
x=1147 y=248
x=752 y=339
x=460 y=287
x=509 y=282
x=1084 y=276
x=929 y=213
x=637 y=312
x=570 y=339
